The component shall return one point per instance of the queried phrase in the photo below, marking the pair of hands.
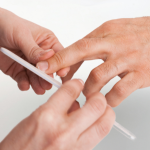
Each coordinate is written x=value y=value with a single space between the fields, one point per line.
x=123 y=45
x=60 y=123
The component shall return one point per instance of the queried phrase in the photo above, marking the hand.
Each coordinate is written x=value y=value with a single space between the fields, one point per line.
x=29 y=41
x=124 y=45
x=60 y=124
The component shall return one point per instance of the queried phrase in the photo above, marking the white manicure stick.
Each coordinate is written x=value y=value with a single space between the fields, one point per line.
x=51 y=80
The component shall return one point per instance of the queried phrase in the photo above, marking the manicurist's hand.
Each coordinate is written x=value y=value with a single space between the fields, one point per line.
x=123 y=44
x=29 y=41
x=60 y=124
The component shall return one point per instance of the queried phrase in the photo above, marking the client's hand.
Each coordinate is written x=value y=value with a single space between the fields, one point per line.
x=29 y=41
x=60 y=124
x=124 y=45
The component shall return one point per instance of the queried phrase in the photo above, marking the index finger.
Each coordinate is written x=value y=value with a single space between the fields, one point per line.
x=84 y=49
x=93 y=109
x=62 y=100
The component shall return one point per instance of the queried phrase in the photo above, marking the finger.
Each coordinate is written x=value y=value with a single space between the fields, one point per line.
x=99 y=32
x=74 y=107
x=95 y=133
x=63 y=72
x=102 y=74
x=89 y=113
x=72 y=71
x=56 y=46
x=84 y=49
x=46 y=54
x=121 y=90
x=49 y=53
x=34 y=81
x=51 y=43
x=63 y=99
x=23 y=81
x=18 y=73
x=29 y=47
x=44 y=84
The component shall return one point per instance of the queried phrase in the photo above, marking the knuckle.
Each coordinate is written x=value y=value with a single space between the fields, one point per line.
x=58 y=58
x=33 y=55
x=47 y=118
x=43 y=115
x=120 y=90
x=112 y=102
x=96 y=75
x=110 y=67
x=111 y=112
x=109 y=26
x=51 y=38
x=132 y=83
x=83 y=45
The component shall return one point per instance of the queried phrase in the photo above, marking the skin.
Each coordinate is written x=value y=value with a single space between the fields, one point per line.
x=29 y=41
x=52 y=125
x=123 y=45
x=60 y=124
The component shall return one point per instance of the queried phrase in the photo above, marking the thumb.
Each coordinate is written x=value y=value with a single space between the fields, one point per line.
x=32 y=51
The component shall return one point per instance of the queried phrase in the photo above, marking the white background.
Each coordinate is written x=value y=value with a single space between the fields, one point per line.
x=71 y=20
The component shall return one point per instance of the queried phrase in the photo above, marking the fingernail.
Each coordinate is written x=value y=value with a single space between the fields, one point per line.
x=43 y=65
x=64 y=75
x=44 y=52
x=81 y=82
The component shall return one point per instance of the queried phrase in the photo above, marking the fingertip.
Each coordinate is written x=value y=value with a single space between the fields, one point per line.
x=38 y=89
x=22 y=81
x=98 y=103
x=24 y=86
x=100 y=97
x=48 y=88
x=86 y=92
x=81 y=81
x=46 y=54
x=98 y=94
x=42 y=65
x=44 y=84
x=72 y=88
x=35 y=84
x=58 y=47
x=111 y=101
x=111 y=112
x=39 y=92
x=63 y=72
